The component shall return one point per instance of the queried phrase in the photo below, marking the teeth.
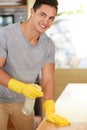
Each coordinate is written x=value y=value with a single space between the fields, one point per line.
x=43 y=26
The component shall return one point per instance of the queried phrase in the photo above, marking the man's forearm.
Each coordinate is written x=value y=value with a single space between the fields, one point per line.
x=4 y=78
x=49 y=90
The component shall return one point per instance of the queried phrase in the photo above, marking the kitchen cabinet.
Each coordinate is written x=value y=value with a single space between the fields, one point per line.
x=14 y=4
x=13 y=11
x=65 y=76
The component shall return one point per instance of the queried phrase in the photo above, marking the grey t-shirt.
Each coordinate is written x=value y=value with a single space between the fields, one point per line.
x=23 y=60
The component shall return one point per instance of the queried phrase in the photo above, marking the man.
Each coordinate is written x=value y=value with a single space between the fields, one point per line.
x=25 y=50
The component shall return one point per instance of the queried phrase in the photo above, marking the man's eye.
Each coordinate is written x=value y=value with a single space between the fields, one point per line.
x=52 y=18
x=42 y=14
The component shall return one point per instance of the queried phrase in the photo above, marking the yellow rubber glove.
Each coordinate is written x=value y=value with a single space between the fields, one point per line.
x=29 y=90
x=51 y=116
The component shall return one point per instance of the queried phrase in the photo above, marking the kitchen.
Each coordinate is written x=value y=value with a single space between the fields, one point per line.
x=13 y=11
x=12 y=20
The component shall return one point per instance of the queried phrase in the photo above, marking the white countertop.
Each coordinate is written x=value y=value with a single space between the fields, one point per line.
x=72 y=103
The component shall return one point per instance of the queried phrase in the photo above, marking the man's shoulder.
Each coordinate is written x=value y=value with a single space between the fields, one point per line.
x=7 y=27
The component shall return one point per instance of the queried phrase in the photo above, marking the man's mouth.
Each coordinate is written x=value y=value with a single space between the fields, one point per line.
x=43 y=26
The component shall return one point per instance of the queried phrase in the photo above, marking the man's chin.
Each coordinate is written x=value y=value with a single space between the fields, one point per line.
x=42 y=30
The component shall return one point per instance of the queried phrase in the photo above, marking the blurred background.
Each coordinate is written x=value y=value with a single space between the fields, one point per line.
x=69 y=34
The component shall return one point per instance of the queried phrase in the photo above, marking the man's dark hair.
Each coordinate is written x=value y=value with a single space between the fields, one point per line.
x=38 y=3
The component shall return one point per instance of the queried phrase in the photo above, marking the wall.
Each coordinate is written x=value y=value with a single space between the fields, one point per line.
x=30 y=3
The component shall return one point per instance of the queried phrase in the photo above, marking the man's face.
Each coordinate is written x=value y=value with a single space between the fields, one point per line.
x=43 y=17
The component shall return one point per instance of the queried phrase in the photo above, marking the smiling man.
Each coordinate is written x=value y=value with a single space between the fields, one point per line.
x=25 y=51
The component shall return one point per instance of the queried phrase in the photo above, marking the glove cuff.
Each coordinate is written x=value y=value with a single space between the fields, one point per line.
x=15 y=85
x=49 y=106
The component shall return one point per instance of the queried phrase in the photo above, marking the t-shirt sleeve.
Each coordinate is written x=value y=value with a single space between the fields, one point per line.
x=3 y=50
x=50 y=52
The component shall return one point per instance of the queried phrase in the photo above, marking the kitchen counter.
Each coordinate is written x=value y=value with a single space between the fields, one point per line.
x=71 y=104
x=74 y=126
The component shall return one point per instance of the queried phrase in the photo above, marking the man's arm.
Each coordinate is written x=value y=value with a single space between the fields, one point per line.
x=4 y=77
x=48 y=86
x=29 y=90
x=47 y=81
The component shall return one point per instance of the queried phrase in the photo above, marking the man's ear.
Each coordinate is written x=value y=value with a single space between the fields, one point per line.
x=31 y=11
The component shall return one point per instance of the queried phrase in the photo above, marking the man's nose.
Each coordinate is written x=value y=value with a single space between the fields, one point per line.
x=46 y=21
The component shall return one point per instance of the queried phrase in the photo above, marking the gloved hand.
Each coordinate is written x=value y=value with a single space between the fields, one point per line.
x=29 y=90
x=51 y=116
